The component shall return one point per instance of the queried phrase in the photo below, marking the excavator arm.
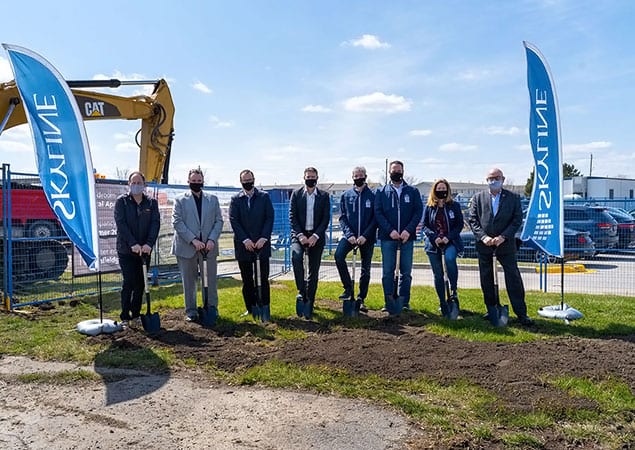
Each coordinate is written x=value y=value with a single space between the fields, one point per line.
x=156 y=112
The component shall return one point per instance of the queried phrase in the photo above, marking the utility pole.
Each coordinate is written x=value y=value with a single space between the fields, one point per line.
x=591 y=165
x=386 y=173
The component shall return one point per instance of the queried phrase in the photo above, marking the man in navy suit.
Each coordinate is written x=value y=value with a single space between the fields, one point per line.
x=251 y=217
x=309 y=215
x=198 y=222
x=495 y=217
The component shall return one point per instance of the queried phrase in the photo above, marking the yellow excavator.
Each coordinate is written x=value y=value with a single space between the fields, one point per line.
x=156 y=112
x=47 y=259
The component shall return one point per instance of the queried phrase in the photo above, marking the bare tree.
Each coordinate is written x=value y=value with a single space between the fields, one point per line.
x=412 y=180
x=121 y=174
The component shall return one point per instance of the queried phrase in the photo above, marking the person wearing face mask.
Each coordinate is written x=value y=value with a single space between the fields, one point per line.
x=441 y=226
x=138 y=222
x=251 y=216
x=495 y=216
x=398 y=209
x=309 y=216
x=359 y=228
x=197 y=222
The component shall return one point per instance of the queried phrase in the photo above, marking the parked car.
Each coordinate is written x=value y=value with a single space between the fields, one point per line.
x=577 y=245
x=597 y=221
x=625 y=227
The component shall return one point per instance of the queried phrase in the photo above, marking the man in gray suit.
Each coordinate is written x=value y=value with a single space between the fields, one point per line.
x=495 y=217
x=198 y=222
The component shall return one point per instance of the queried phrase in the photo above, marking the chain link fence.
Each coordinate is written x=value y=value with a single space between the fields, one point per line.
x=40 y=264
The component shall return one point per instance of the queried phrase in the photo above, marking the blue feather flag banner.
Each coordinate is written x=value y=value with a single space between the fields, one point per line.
x=61 y=147
x=544 y=219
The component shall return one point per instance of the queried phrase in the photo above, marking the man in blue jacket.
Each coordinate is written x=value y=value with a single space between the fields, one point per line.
x=357 y=221
x=251 y=217
x=398 y=210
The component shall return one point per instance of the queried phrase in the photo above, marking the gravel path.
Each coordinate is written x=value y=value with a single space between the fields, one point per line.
x=148 y=411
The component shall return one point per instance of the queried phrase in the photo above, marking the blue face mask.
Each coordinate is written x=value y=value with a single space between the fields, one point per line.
x=495 y=185
x=136 y=189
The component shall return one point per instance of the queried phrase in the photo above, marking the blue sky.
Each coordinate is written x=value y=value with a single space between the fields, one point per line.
x=276 y=86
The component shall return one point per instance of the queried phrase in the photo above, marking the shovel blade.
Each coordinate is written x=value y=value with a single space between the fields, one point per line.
x=151 y=322
x=498 y=315
x=348 y=307
x=503 y=316
x=299 y=307
x=208 y=316
x=256 y=312
x=265 y=313
x=308 y=309
x=394 y=305
x=453 y=310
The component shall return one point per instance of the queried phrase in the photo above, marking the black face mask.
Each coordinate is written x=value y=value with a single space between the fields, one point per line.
x=441 y=194
x=310 y=183
x=396 y=176
x=248 y=186
x=359 y=182
x=196 y=187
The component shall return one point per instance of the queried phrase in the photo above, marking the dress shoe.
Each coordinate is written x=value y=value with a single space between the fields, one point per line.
x=525 y=321
x=345 y=295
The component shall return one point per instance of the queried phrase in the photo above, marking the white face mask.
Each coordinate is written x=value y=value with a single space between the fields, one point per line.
x=136 y=189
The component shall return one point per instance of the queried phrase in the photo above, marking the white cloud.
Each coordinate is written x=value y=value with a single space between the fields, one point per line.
x=454 y=147
x=17 y=140
x=378 y=102
x=140 y=89
x=6 y=73
x=287 y=152
x=420 y=132
x=585 y=148
x=368 y=41
x=473 y=74
x=218 y=123
x=511 y=131
x=129 y=136
x=200 y=86
x=126 y=147
x=316 y=109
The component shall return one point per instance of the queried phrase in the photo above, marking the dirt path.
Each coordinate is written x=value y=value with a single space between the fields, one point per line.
x=177 y=412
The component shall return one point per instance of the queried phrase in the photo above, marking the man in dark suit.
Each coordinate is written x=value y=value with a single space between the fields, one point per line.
x=251 y=217
x=198 y=222
x=309 y=215
x=495 y=217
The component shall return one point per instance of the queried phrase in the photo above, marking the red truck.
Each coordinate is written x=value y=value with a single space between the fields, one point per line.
x=37 y=253
x=31 y=215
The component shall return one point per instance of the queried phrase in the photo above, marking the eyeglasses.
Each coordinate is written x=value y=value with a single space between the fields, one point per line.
x=498 y=178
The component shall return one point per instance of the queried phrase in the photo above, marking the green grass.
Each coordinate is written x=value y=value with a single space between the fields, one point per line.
x=457 y=411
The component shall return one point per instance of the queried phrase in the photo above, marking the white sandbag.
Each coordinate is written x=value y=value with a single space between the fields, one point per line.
x=562 y=312
x=96 y=326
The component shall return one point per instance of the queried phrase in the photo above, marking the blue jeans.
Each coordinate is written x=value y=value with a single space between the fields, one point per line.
x=437 y=270
x=389 y=263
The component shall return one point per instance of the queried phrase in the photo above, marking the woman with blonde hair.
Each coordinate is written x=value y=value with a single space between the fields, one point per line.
x=442 y=224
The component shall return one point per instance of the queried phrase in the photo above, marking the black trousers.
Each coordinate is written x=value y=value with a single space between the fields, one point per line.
x=133 y=285
x=297 y=260
x=513 y=279
x=250 y=290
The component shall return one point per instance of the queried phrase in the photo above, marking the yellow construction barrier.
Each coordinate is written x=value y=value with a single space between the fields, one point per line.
x=568 y=268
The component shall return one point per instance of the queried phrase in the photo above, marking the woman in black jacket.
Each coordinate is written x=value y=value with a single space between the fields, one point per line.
x=138 y=221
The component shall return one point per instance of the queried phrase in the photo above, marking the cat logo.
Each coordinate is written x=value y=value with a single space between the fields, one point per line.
x=93 y=109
